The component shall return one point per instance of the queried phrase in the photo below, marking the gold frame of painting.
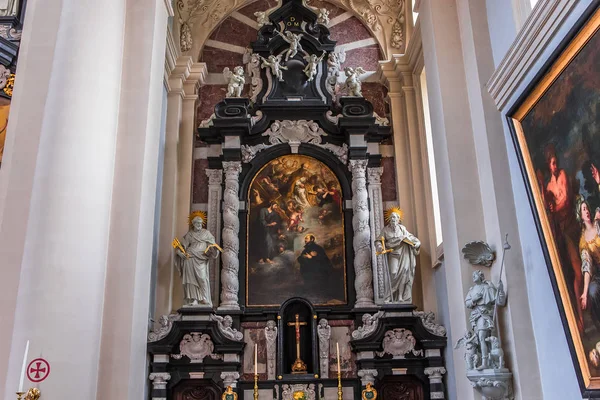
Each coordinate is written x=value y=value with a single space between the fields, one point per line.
x=579 y=41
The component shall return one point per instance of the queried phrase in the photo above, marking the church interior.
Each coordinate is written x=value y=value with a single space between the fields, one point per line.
x=300 y=199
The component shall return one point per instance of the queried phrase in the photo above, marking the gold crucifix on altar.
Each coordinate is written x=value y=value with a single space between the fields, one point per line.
x=298 y=367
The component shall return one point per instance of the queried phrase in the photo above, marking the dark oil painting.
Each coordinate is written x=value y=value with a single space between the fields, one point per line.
x=558 y=128
x=295 y=234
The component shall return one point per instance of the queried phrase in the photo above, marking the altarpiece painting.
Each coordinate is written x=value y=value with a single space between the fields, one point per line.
x=557 y=132
x=295 y=234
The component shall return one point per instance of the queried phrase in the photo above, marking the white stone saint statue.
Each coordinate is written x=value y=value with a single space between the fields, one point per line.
x=399 y=248
x=196 y=248
x=482 y=299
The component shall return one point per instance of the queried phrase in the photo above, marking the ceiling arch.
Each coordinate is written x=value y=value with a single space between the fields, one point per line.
x=197 y=19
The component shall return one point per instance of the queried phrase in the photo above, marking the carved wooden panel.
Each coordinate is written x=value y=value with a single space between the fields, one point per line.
x=401 y=388
x=197 y=390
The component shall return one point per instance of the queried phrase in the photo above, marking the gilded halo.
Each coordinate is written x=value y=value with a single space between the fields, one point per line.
x=388 y=213
x=199 y=213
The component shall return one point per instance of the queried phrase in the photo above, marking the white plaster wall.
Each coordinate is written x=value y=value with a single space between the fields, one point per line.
x=556 y=367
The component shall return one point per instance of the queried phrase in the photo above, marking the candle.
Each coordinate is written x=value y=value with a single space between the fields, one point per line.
x=24 y=367
x=255 y=359
x=338 y=358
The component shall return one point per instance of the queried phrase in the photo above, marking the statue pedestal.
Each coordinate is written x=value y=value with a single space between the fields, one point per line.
x=407 y=307
x=492 y=384
x=196 y=313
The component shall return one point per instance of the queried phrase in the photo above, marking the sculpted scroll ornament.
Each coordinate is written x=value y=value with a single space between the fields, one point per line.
x=428 y=320
x=370 y=323
x=196 y=346
x=225 y=325
x=399 y=342
x=289 y=391
x=230 y=237
x=164 y=327
x=253 y=62
x=301 y=131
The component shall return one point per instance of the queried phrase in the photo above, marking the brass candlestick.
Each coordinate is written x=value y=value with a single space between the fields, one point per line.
x=255 y=386
x=20 y=395
x=340 y=391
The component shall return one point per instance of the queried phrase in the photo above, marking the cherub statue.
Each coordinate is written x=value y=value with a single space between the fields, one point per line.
x=235 y=81
x=310 y=70
x=353 y=83
x=323 y=17
x=262 y=19
x=294 y=41
x=471 y=349
x=274 y=63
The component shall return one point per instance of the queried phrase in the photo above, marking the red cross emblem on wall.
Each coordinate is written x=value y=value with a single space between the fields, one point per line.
x=38 y=370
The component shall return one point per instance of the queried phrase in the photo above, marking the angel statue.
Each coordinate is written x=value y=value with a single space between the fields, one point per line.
x=399 y=249
x=323 y=17
x=274 y=63
x=262 y=19
x=235 y=81
x=193 y=252
x=471 y=349
x=353 y=83
x=312 y=63
x=294 y=41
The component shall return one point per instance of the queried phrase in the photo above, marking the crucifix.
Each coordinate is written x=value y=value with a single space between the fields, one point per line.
x=298 y=367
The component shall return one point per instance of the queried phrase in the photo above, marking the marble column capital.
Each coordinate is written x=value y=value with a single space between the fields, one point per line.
x=230 y=378
x=159 y=379
x=215 y=176
x=374 y=175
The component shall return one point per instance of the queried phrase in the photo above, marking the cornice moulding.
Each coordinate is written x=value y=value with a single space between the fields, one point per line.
x=531 y=42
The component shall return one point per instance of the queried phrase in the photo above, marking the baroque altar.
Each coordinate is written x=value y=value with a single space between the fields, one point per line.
x=295 y=213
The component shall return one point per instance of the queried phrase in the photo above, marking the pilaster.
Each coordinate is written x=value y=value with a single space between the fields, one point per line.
x=215 y=190
x=436 y=386
x=183 y=83
x=376 y=224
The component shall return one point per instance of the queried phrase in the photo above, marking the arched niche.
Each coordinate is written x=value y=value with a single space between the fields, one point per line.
x=287 y=337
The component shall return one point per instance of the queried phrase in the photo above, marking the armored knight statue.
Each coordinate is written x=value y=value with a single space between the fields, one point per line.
x=399 y=249
x=193 y=252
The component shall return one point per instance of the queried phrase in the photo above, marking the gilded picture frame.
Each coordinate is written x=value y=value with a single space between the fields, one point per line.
x=555 y=129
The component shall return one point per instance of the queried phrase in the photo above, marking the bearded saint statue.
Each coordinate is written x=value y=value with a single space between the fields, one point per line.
x=399 y=248
x=194 y=252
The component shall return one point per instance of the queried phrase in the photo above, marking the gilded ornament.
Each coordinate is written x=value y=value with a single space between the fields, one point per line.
x=33 y=394
x=10 y=83
x=369 y=393
x=229 y=394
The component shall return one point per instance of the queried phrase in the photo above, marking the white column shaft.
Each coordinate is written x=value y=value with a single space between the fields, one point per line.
x=165 y=279
x=70 y=115
x=127 y=291
x=456 y=165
